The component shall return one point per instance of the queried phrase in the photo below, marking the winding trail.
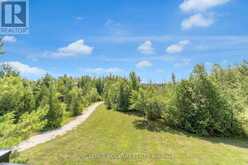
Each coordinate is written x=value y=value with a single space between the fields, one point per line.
x=47 y=136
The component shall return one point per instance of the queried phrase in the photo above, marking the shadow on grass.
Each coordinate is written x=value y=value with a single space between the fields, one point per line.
x=159 y=126
x=134 y=113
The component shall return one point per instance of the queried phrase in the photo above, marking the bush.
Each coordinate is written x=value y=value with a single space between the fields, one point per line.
x=145 y=101
x=154 y=108
x=92 y=96
x=33 y=122
x=116 y=95
x=12 y=93
x=12 y=133
x=201 y=107
x=8 y=131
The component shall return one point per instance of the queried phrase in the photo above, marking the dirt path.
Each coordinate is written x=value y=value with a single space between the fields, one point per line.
x=47 y=136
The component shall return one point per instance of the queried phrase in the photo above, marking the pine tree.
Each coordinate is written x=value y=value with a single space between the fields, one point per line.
x=55 y=113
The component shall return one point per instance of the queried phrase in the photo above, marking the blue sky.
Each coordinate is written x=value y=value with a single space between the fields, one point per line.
x=153 y=38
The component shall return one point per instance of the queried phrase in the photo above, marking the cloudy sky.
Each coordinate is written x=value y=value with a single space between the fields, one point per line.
x=153 y=38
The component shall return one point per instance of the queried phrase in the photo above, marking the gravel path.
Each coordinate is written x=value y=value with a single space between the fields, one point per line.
x=47 y=136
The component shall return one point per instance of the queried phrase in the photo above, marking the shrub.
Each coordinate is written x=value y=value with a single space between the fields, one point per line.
x=12 y=133
x=8 y=130
x=201 y=107
x=145 y=101
x=33 y=122
x=12 y=93
x=154 y=108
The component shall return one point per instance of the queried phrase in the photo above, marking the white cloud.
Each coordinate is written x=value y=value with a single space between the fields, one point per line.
x=200 y=8
x=144 y=64
x=76 y=48
x=8 y=39
x=200 y=5
x=178 y=47
x=146 y=48
x=102 y=70
x=197 y=20
x=25 y=69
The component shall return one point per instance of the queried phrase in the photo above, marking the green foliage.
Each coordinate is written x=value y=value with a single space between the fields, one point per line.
x=123 y=97
x=15 y=158
x=173 y=78
x=12 y=133
x=116 y=95
x=7 y=70
x=144 y=100
x=117 y=91
x=11 y=93
x=33 y=122
x=28 y=106
x=91 y=96
x=110 y=94
x=207 y=105
x=201 y=107
x=55 y=111
x=75 y=106
x=138 y=99
x=8 y=131
x=154 y=108
x=99 y=83
x=214 y=104
x=27 y=102
x=134 y=81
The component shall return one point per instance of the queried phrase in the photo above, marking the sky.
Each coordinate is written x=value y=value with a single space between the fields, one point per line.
x=153 y=38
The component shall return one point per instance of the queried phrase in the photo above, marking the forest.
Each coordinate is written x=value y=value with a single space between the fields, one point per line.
x=209 y=104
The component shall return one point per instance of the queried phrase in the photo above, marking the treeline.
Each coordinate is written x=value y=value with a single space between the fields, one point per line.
x=207 y=104
x=30 y=106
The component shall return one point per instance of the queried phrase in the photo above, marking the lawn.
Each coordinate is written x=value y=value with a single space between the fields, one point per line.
x=110 y=137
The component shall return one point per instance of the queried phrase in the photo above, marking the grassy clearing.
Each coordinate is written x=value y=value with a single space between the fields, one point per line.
x=110 y=137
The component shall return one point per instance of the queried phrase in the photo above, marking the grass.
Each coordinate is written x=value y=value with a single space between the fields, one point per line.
x=110 y=137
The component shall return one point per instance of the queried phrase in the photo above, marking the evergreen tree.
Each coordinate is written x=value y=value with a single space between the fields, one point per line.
x=134 y=81
x=55 y=113
x=173 y=77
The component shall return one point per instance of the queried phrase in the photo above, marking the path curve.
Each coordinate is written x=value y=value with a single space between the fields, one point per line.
x=47 y=136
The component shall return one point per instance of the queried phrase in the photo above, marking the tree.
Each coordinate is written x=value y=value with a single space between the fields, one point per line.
x=99 y=83
x=75 y=105
x=27 y=103
x=173 y=78
x=244 y=68
x=145 y=101
x=110 y=94
x=11 y=95
x=134 y=81
x=1 y=46
x=7 y=70
x=203 y=110
x=55 y=110
x=123 y=96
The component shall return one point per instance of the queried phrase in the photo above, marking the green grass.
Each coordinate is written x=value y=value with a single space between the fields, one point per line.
x=110 y=137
